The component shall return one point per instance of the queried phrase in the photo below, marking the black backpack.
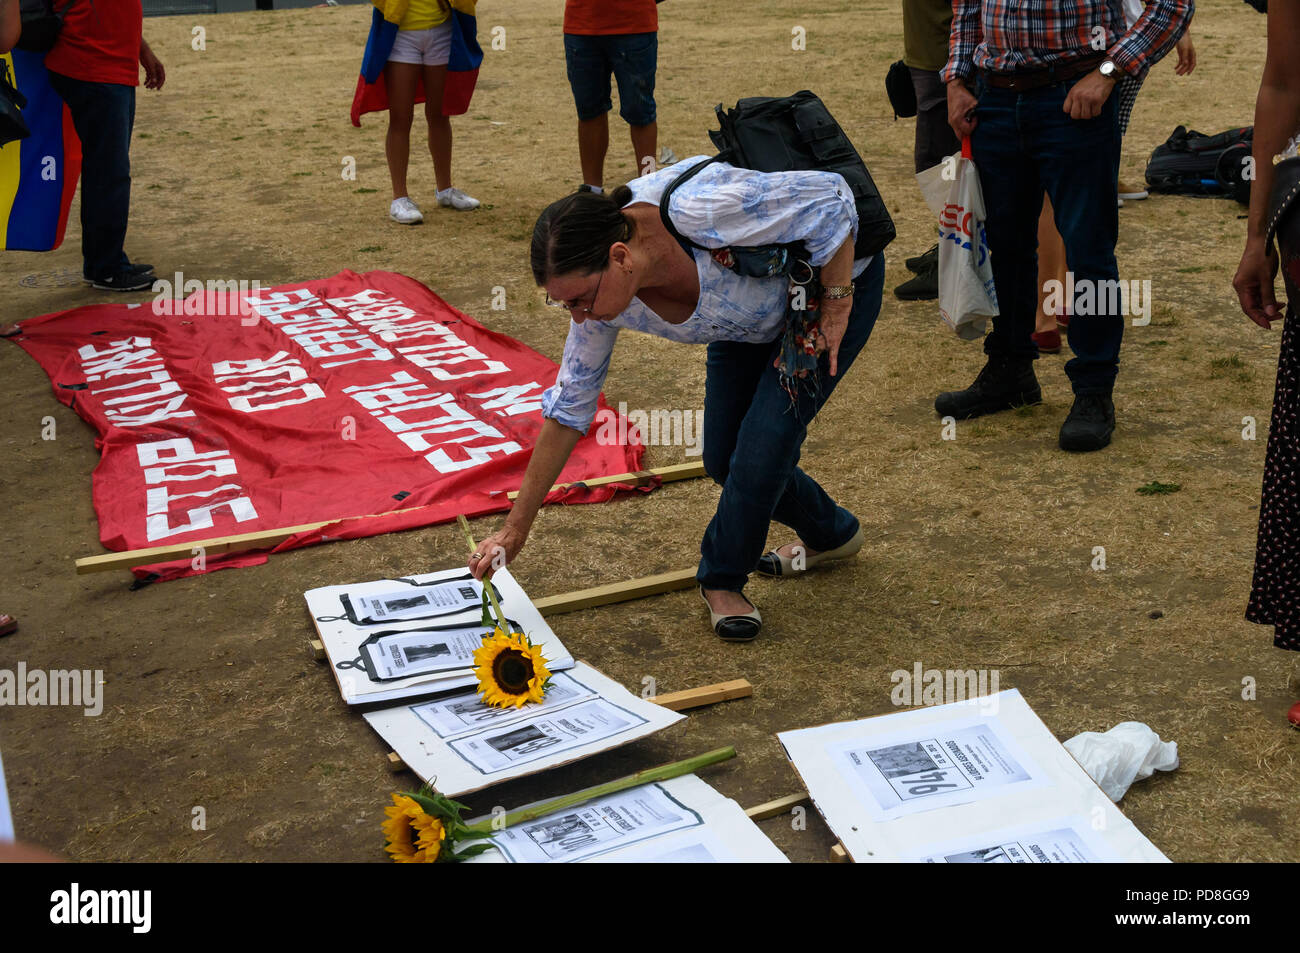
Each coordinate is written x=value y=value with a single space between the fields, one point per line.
x=791 y=134
x=41 y=25
x=1192 y=163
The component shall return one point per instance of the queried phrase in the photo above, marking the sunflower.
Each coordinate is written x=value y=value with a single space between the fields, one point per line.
x=510 y=670
x=413 y=835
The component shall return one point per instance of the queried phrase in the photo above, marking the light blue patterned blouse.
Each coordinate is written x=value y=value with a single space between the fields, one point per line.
x=719 y=207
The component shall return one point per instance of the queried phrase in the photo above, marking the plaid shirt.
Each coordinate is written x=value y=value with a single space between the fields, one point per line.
x=1005 y=36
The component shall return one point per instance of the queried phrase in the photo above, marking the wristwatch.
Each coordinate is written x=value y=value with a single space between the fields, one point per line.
x=1109 y=70
x=837 y=291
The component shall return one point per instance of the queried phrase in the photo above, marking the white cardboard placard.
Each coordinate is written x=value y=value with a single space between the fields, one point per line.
x=971 y=776
x=343 y=638
x=459 y=744
x=681 y=820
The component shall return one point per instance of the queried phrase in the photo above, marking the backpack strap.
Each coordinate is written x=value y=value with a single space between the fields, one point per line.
x=686 y=176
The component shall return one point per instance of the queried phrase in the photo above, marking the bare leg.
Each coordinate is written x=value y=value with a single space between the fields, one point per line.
x=439 y=125
x=1051 y=265
x=400 y=79
x=644 y=144
x=593 y=143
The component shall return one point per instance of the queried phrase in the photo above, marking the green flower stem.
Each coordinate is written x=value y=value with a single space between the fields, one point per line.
x=487 y=582
x=661 y=773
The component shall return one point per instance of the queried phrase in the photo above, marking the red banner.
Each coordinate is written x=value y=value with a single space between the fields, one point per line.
x=238 y=409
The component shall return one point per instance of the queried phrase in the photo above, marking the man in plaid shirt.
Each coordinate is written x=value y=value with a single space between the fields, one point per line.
x=1041 y=118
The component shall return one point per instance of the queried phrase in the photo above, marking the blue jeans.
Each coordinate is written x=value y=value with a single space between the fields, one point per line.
x=1023 y=145
x=104 y=115
x=752 y=440
x=630 y=57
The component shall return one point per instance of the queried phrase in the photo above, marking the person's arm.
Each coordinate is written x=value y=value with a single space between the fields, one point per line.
x=966 y=33
x=1141 y=46
x=834 y=319
x=725 y=206
x=554 y=445
x=1186 y=53
x=11 y=24
x=568 y=408
x=1152 y=36
x=1277 y=119
x=154 y=74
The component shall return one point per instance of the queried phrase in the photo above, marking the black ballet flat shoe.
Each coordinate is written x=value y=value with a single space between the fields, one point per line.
x=774 y=564
x=734 y=628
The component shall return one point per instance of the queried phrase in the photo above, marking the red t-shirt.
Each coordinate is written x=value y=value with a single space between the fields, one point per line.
x=99 y=42
x=604 y=17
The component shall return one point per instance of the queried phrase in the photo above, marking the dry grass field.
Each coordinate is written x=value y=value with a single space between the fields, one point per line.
x=980 y=548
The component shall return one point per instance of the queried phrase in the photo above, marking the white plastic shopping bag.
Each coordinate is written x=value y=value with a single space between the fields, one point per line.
x=966 y=295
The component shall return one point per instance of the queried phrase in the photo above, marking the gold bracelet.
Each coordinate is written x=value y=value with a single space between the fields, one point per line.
x=831 y=292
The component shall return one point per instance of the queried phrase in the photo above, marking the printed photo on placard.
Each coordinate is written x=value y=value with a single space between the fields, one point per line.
x=949 y=765
x=462 y=712
x=401 y=653
x=609 y=823
x=1065 y=840
x=538 y=737
x=417 y=600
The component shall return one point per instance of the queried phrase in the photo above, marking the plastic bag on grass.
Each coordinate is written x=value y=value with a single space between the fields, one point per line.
x=1129 y=752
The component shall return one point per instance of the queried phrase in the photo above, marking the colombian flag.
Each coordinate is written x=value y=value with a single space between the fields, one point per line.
x=462 y=65
x=38 y=174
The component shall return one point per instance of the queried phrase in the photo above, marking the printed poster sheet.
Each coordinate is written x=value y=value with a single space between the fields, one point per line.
x=954 y=777
x=1066 y=840
x=414 y=636
x=468 y=745
x=682 y=820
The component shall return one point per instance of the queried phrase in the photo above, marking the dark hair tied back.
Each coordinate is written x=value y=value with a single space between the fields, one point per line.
x=575 y=233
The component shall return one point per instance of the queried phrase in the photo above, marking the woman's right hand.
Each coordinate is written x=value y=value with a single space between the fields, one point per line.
x=1254 y=283
x=496 y=551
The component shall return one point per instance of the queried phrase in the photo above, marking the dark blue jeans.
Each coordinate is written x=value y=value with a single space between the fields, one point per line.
x=752 y=440
x=1023 y=145
x=104 y=115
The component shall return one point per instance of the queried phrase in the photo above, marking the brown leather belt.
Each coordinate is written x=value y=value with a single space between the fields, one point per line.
x=1026 y=80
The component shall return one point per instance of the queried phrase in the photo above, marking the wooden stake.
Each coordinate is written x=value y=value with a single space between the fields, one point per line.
x=782 y=805
x=705 y=695
x=616 y=592
x=268 y=538
x=395 y=763
x=261 y=539
x=317 y=649
x=668 y=474
x=839 y=855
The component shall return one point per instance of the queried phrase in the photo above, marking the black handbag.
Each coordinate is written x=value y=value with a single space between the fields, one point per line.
x=901 y=92
x=12 y=124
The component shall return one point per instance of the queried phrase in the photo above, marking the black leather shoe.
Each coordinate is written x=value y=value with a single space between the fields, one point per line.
x=924 y=286
x=734 y=628
x=1090 y=423
x=918 y=263
x=1003 y=384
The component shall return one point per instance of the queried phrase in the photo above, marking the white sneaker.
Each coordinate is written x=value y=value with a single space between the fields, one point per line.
x=455 y=198
x=405 y=212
